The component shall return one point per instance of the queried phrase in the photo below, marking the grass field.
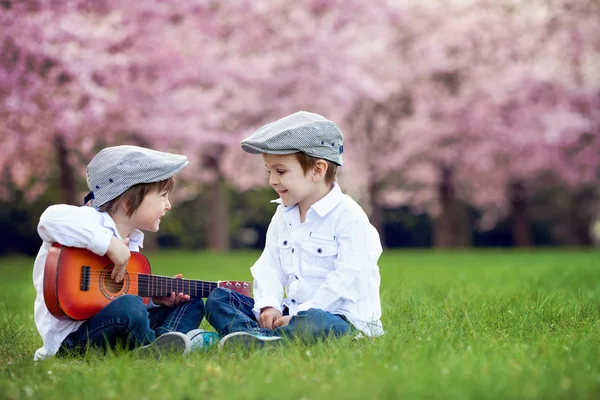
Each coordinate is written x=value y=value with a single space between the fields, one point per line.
x=459 y=325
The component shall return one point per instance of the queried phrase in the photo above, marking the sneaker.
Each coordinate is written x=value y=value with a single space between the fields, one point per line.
x=201 y=339
x=248 y=341
x=168 y=343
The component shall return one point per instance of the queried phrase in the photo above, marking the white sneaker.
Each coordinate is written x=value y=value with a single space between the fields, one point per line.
x=168 y=343
x=201 y=339
x=248 y=341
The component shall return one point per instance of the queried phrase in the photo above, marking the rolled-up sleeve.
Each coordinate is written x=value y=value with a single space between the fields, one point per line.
x=74 y=227
x=359 y=248
x=268 y=276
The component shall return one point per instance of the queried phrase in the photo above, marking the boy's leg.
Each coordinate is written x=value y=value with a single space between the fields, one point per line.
x=183 y=317
x=124 y=320
x=228 y=311
x=315 y=324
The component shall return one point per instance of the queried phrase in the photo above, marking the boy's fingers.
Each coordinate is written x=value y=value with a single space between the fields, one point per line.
x=115 y=272
x=270 y=320
x=118 y=272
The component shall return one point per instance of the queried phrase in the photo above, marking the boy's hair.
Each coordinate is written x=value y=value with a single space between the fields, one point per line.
x=308 y=162
x=136 y=194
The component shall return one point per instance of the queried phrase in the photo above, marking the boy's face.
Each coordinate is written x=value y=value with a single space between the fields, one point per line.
x=148 y=214
x=289 y=180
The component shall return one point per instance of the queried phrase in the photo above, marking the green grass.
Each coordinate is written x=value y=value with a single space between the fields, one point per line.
x=464 y=325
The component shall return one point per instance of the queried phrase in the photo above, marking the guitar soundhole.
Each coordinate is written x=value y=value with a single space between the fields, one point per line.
x=111 y=289
x=112 y=286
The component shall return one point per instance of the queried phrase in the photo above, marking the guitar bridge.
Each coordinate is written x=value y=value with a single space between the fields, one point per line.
x=85 y=278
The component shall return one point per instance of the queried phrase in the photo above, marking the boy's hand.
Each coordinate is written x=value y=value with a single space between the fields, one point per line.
x=267 y=316
x=283 y=321
x=119 y=254
x=172 y=300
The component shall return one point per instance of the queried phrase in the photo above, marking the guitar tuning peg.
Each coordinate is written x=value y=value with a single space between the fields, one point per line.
x=228 y=283
x=246 y=284
x=237 y=284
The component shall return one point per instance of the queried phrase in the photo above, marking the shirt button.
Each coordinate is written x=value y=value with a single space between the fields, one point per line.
x=292 y=250
x=285 y=242
x=293 y=301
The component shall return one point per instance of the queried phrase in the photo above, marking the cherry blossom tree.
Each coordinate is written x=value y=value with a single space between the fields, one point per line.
x=192 y=77
x=440 y=102
x=55 y=95
x=473 y=119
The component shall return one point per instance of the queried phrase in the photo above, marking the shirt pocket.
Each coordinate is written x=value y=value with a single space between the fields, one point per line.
x=285 y=253
x=318 y=256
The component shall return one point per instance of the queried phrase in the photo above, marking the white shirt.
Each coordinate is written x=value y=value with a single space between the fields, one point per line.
x=328 y=262
x=74 y=227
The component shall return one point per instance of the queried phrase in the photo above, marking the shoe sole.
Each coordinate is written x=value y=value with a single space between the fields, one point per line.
x=243 y=340
x=173 y=343
x=201 y=339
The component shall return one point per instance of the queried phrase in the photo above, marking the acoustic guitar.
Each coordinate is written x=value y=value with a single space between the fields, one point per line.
x=77 y=282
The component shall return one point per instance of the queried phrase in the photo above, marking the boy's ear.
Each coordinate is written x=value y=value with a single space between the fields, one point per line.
x=319 y=170
x=125 y=204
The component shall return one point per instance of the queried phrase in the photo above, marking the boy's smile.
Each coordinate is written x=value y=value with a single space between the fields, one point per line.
x=287 y=178
x=154 y=206
x=293 y=186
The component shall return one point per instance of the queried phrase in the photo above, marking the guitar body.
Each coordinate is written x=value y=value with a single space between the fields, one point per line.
x=64 y=276
x=77 y=282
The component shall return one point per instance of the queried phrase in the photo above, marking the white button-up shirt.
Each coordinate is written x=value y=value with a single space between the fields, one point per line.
x=71 y=226
x=328 y=262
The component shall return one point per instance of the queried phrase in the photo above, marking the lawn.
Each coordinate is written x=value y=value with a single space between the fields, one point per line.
x=459 y=325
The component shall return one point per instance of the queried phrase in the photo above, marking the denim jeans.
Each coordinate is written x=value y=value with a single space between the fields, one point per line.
x=127 y=321
x=228 y=311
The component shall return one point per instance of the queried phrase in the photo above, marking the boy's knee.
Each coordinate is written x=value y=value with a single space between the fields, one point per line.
x=196 y=303
x=128 y=302
x=217 y=295
x=130 y=308
x=318 y=324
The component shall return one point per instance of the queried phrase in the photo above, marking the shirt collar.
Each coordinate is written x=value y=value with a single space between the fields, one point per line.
x=323 y=206
x=136 y=237
x=329 y=202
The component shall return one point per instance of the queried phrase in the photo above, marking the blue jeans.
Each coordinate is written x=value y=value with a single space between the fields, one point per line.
x=126 y=321
x=228 y=311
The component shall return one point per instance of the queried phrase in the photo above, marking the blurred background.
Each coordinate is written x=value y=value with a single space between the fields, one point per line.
x=466 y=122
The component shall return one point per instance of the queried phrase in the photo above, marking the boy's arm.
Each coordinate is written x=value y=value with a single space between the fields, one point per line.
x=269 y=279
x=75 y=227
x=359 y=248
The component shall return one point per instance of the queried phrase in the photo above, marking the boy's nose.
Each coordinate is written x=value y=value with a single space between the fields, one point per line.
x=273 y=179
x=168 y=205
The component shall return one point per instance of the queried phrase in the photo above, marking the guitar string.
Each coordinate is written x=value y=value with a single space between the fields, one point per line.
x=156 y=281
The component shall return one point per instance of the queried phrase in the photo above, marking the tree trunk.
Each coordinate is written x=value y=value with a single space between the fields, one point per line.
x=521 y=231
x=581 y=214
x=218 y=216
x=376 y=214
x=66 y=176
x=464 y=225
x=446 y=227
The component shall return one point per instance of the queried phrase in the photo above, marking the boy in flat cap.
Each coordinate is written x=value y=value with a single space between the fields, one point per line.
x=321 y=250
x=129 y=192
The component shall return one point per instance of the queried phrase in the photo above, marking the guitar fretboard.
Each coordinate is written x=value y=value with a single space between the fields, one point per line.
x=155 y=285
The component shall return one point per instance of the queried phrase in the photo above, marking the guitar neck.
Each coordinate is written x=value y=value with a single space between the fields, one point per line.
x=155 y=285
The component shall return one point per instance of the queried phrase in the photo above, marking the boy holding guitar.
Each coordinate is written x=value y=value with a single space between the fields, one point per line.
x=129 y=192
x=321 y=251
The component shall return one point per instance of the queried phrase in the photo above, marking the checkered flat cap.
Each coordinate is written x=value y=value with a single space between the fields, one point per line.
x=115 y=169
x=300 y=132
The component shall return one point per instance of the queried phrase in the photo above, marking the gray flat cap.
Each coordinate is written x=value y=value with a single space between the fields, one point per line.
x=304 y=132
x=115 y=169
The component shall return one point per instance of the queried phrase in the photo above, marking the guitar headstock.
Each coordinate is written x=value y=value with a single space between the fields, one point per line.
x=240 y=287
